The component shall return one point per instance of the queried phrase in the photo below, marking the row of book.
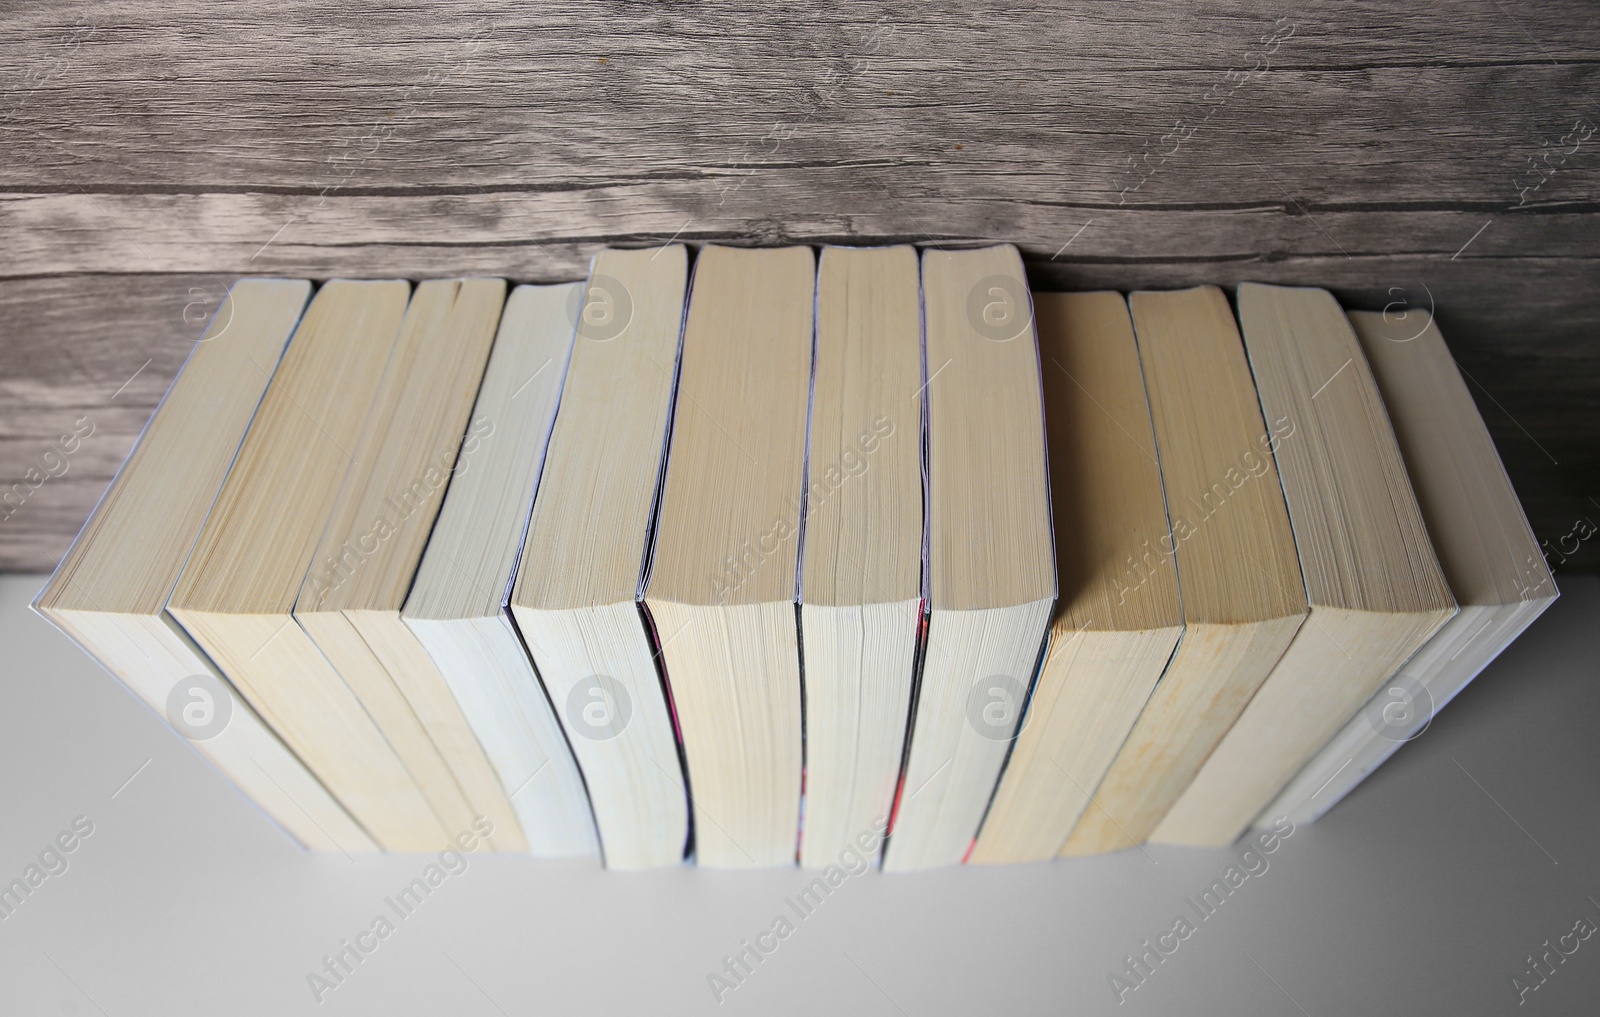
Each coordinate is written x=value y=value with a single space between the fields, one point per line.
x=758 y=563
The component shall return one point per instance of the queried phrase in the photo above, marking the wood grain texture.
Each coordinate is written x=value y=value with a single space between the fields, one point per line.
x=101 y=349
x=1353 y=145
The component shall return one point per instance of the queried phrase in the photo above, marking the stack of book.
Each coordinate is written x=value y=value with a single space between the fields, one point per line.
x=796 y=554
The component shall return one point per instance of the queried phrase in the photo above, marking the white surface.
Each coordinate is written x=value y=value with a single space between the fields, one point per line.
x=1418 y=895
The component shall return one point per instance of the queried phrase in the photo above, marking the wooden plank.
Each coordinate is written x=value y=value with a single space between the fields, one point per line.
x=550 y=236
x=1371 y=102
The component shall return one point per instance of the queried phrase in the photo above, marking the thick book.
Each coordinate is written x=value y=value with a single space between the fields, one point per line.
x=576 y=600
x=1490 y=556
x=237 y=592
x=722 y=583
x=457 y=605
x=110 y=591
x=1238 y=574
x=991 y=567
x=861 y=567
x=350 y=600
x=1118 y=618
x=1376 y=590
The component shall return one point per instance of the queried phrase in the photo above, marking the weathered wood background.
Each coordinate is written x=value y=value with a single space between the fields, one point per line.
x=1406 y=155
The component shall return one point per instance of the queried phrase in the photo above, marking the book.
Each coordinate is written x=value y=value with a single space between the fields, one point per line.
x=1489 y=555
x=776 y=557
x=350 y=599
x=991 y=569
x=236 y=594
x=1118 y=619
x=1238 y=574
x=861 y=564
x=1376 y=590
x=576 y=600
x=109 y=593
x=456 y=608
x=721 y=587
